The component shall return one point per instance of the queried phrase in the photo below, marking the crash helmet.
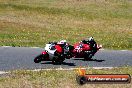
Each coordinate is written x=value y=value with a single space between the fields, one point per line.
x=62 y=42
x=91 y=39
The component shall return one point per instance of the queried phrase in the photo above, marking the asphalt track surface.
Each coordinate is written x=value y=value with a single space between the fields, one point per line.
x=13 y=58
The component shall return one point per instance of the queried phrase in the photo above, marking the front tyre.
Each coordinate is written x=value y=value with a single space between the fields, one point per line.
x=38 y=59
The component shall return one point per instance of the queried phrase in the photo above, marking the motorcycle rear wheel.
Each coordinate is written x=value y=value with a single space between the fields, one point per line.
x=88 y=56
x=58 y=60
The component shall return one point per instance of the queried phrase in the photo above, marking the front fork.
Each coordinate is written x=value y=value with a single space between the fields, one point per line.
x=45 y=55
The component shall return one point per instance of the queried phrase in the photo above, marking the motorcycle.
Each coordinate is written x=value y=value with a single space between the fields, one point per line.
x=53 y=52
x=57 y=53
x=85 y=50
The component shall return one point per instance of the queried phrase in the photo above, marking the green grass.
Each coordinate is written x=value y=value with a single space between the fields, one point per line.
x=58 y=79
x=34 y=23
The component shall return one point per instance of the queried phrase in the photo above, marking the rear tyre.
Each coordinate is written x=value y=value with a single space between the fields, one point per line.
x=61 y=60
x=88 y=56
x=58 y=60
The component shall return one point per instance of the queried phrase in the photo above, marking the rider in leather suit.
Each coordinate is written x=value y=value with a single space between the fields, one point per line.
x=92 y=43
x=64 y=45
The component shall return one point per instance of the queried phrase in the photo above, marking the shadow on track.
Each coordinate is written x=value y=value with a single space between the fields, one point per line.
x=64 y=63
x=96 y=60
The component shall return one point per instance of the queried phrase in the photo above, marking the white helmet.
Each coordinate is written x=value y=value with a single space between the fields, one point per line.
x=62 y=42
x=91 y=39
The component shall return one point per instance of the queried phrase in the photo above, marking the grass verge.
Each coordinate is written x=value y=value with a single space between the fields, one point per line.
x=58 y=79
x=34 y=23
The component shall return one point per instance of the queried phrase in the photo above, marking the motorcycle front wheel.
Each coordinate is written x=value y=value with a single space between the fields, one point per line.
x=38 y=59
